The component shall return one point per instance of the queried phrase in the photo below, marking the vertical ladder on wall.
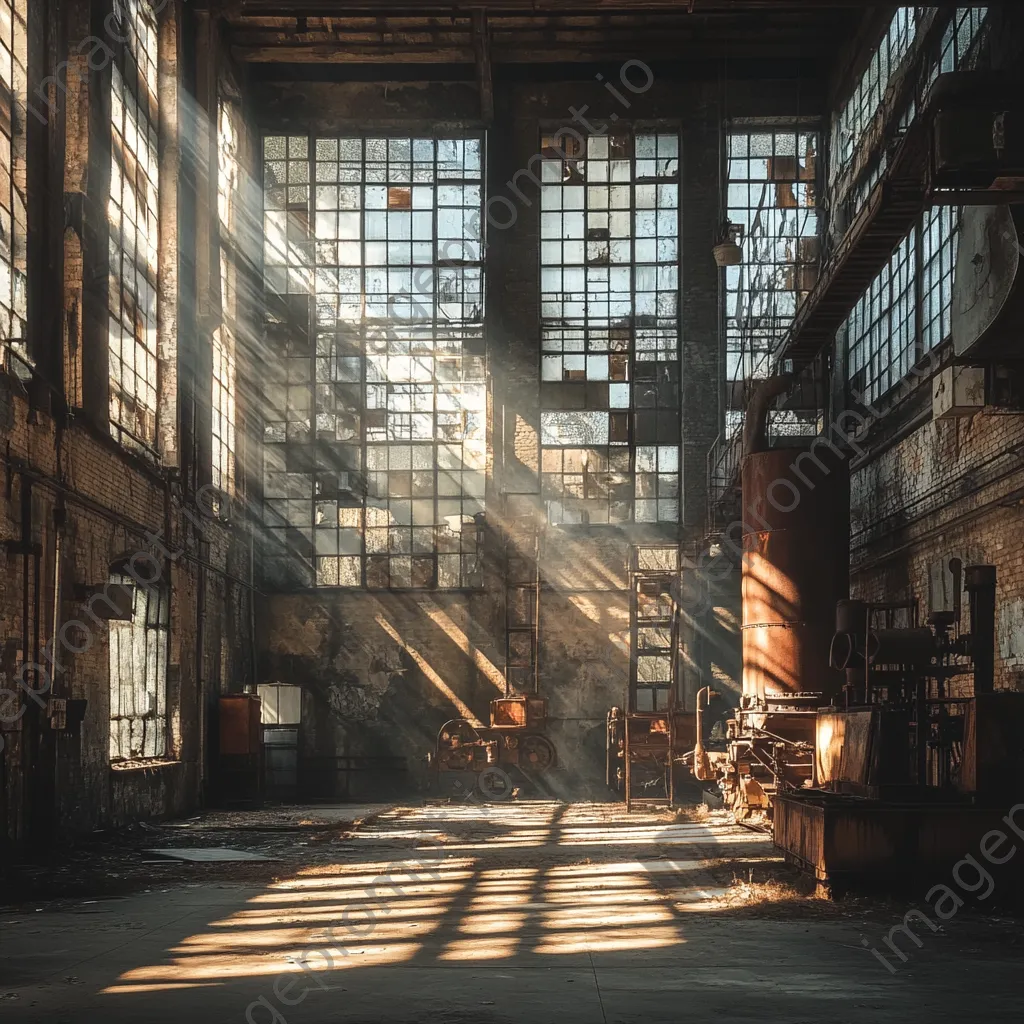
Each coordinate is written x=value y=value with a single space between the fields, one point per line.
x=522 y=592
x=652 y=700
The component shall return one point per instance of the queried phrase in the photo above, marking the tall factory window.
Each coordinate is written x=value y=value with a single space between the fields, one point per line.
x=856 y=115
x=772 y=197
x=287 y=253
x=940 y=225
x=224 y=376
x=958 y=42
x=940 y=230
x=138 y=651
x=13 y=87
x=610 y=366
x=920 y=316
x=398 y=406
x=881 y=331
x=133 y=227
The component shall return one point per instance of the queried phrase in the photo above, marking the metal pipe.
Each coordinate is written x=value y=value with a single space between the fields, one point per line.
x=755 y=423
x=981 y=588
x=701 y=761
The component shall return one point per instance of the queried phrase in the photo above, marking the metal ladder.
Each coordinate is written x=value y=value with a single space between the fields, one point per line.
x=522 y=592
x=654 y=670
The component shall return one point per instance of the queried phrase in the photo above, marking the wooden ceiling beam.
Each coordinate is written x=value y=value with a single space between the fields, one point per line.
x=332 y=53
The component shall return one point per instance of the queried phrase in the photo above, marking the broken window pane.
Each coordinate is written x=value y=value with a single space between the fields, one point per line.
x=137 y=661
x=771 y=198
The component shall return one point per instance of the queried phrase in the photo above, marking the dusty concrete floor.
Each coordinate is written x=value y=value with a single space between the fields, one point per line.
x=533 y=912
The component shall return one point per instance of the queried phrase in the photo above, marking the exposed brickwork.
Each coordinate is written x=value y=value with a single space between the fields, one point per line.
x=953 y=488
x=111 y=500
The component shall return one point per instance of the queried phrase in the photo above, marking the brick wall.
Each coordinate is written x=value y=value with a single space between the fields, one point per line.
x=952 y=488
x=63 y=779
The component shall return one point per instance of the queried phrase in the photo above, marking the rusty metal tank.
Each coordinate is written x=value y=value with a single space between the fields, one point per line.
x=796 y=556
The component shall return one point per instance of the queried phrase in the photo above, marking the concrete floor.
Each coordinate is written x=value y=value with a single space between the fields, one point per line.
x=532 y=912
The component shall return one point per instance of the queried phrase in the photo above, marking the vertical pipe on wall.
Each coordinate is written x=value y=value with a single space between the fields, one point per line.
x=980 y=583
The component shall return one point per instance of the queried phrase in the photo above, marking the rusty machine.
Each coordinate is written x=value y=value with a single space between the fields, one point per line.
x=910 y=693
x=649 y=739
x=513 y=739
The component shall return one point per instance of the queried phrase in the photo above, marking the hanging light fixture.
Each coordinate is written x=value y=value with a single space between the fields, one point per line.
x=728 y=252
x=727 y=249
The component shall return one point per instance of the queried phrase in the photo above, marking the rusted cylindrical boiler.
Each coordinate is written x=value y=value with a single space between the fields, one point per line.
x=796 y=566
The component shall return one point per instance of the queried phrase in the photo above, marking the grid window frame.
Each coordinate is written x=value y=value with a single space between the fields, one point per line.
x=14 y=350
x=853 y=120
x=921 y=306
x=881 y=332
x=962 y=38
x=751 y=338
x=134 y=229
x=610 y=360
x=397 y=380
x=940 y=235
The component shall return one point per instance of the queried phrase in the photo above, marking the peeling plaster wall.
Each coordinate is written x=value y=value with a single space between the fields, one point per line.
x=380 y=674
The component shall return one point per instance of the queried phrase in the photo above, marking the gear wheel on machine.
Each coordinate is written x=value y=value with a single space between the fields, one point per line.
x=536 y=753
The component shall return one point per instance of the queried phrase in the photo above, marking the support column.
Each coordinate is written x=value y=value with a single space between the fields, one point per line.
x=87 y=187
x=167 y=279
x=701 y=367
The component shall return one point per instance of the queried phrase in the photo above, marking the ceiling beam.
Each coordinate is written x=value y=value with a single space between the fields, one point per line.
x=327 y=53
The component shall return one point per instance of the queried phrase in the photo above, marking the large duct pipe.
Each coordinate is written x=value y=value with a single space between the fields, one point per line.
x=755 y=422
x=796 y=555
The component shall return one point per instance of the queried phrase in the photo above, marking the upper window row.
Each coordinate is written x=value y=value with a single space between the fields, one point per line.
x=859 y=111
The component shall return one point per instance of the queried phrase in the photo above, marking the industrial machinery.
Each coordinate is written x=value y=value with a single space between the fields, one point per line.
x=514 y=738
x=240 y=750
x=922 y=756
x=649 y=739
x=908 y=692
